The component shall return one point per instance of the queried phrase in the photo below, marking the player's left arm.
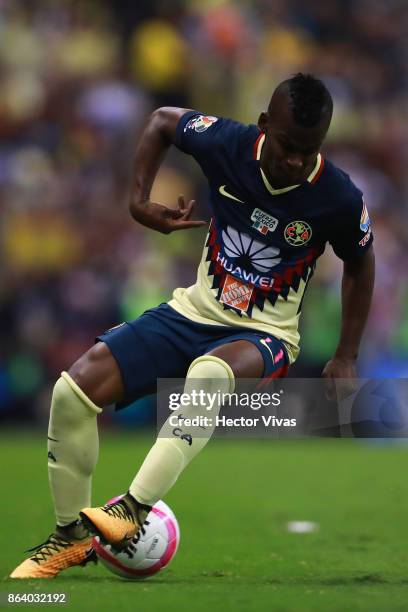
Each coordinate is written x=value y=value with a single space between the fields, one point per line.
x=356 y=294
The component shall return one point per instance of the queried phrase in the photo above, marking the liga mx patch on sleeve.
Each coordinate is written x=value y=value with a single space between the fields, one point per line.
x=200 y=123
x=364 y=219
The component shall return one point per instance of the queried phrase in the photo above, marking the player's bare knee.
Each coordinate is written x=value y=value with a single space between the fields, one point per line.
x=84 y=372
x=98 y=376
x=81 y=372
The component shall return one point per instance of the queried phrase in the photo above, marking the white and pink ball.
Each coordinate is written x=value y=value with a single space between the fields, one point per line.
x=149 y=552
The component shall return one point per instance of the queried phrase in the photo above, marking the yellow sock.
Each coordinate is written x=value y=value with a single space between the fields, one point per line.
x=72 y=448
x=170 y=455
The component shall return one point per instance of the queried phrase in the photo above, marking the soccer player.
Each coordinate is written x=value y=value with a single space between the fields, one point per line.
x=275 y=203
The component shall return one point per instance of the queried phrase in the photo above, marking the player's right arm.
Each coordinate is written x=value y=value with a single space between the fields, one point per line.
x=158 y=135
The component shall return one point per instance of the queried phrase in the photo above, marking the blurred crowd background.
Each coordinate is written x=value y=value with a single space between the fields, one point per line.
x=77 y=81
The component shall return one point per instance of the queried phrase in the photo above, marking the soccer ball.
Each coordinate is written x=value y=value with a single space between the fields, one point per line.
x=149 y=551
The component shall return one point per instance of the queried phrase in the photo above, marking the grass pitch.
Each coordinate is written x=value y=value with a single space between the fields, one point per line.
x=233 y=503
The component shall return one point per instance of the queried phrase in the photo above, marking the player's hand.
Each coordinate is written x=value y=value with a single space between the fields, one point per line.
x=340 y=374
x=164 y=219
x=179 y=218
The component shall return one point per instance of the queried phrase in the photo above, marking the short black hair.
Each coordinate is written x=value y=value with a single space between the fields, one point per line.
x=310 y=100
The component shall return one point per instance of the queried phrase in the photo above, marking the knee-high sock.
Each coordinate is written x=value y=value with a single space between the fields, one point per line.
x=72 y=448
x=170 y=455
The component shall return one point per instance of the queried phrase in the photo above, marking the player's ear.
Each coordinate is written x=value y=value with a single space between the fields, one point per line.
x=263 y=121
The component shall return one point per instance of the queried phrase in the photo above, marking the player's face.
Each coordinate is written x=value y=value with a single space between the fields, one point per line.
x=290 y=151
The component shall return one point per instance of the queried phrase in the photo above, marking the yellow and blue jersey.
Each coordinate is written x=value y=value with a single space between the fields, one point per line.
x=263 y=243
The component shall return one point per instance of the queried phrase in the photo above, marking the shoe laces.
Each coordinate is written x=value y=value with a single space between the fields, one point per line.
x=131 y=549
x=53 y=544
x=120 y=510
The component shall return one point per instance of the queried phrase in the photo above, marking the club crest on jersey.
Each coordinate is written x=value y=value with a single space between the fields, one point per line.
x=298 y=233
x=200 y=123
x=364 y=220
x=263 y=222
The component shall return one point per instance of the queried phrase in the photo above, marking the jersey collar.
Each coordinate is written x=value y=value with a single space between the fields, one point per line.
x=312 y=178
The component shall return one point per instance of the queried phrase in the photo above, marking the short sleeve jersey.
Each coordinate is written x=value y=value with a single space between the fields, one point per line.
x=262 y=245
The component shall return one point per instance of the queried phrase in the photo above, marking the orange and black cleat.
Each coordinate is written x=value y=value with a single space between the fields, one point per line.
x=115 y=523
x=57 y=553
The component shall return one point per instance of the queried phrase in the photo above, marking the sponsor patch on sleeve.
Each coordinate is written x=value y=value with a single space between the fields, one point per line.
x=364 y=219
x=200 y=123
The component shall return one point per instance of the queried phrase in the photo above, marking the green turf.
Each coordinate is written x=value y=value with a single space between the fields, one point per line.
x=232 y=504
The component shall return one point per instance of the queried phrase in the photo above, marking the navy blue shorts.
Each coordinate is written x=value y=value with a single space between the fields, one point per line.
x=162 y=343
